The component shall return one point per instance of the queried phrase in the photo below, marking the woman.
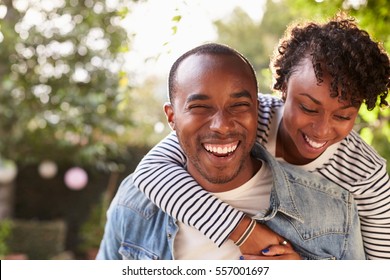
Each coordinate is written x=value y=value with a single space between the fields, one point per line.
x=324 y=72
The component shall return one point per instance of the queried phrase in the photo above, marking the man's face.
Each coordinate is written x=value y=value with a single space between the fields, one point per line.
x=312 y=119
x=214 y=113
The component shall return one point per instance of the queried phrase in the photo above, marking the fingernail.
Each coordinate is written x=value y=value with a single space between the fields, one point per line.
x=266 y=250
x=242 y=258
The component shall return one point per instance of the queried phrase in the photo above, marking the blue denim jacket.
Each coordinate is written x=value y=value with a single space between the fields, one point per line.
x=319 y=218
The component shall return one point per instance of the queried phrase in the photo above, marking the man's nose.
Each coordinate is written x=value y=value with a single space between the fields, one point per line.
x=221 y=122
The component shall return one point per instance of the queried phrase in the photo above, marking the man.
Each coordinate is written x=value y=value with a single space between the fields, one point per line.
x=213 y=109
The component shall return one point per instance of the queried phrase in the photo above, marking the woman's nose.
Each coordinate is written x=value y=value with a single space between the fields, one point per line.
x=321 y=127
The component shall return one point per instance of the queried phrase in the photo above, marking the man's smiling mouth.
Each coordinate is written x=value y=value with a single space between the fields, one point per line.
x=221 y=150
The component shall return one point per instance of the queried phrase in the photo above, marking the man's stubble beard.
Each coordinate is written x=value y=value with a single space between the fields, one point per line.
x=212 y=178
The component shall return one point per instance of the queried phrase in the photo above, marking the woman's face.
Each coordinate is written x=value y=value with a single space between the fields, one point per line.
x=312 y=119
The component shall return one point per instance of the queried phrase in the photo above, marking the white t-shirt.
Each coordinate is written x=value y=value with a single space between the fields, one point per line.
x=251 y=198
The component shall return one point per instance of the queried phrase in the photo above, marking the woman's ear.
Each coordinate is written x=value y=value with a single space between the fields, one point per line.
x=169 y=113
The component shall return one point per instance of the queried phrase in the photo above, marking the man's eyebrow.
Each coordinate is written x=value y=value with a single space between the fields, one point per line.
x=200 y=96
x=197 y=96
x=240 y=94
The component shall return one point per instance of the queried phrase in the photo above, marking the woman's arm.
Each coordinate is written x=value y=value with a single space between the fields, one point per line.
x=162 y=177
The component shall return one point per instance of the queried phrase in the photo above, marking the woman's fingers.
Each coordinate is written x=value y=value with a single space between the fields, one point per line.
x=275 y=250
x=283 y=251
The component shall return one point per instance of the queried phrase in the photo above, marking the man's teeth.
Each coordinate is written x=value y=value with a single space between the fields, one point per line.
x=314 y=144
x=220 y=149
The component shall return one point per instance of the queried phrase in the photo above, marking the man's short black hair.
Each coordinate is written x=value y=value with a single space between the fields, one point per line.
x=209 y=48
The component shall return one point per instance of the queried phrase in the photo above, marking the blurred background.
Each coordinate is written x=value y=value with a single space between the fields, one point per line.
x=82 y=84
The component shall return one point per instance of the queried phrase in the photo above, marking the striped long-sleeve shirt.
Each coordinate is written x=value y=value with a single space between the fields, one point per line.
x=352 y=164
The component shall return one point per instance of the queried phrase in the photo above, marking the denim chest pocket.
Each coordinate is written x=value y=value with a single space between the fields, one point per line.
x=311 y=241
x=319 y=243
x=135 y=252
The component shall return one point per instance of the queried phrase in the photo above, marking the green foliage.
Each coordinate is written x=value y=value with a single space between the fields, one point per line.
x=91 y=232
x=256 y=40
x=374 y=127
x=148 y=116
x=5 y=232
x=62 y=83
x=373 y=16
x=38 y=240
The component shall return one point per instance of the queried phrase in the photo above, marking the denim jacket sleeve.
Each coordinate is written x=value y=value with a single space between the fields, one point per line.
x=111 y=242
x=136 y=229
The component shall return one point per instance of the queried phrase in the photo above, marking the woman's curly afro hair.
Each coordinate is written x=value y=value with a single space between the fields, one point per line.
x=358 y=66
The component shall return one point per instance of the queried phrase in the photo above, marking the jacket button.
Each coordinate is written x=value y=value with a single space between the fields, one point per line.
x=169 y=236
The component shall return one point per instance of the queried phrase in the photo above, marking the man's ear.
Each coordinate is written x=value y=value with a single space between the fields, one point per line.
x=169 y=112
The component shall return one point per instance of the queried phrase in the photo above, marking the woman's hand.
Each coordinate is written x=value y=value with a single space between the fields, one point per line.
x=263 y=243
x=260 y=238
x=275 y=252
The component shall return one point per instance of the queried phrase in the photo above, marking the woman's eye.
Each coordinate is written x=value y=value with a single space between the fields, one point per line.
x=308 y=110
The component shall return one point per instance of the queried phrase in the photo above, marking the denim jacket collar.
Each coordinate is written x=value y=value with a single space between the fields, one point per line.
x=281 y=198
